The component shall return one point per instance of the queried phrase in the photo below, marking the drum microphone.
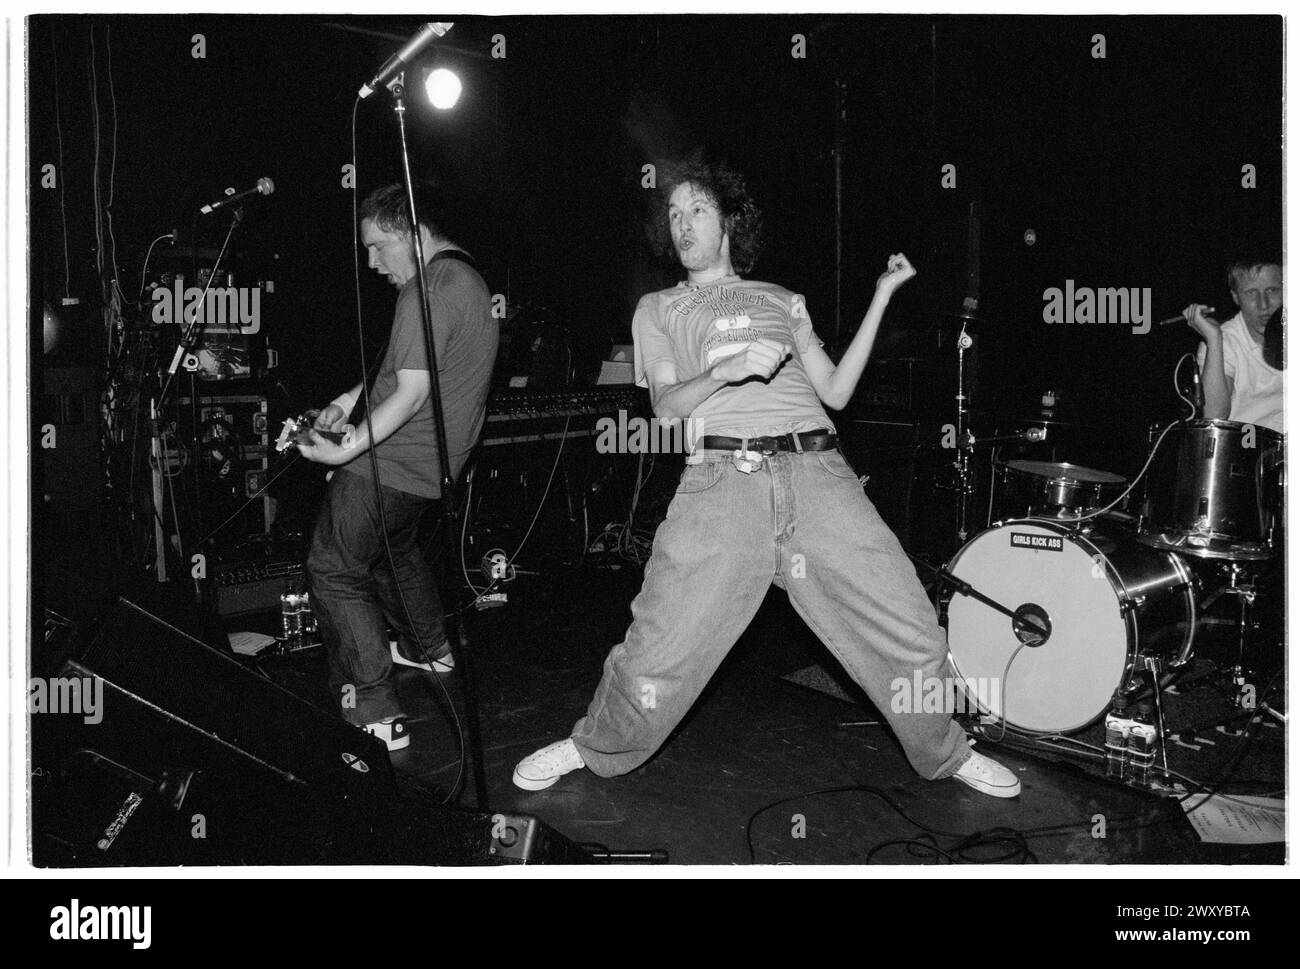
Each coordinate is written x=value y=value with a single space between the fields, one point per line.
x=264 y=186
x=1033 y=434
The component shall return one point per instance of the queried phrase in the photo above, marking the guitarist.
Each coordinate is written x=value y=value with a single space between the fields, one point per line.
x=366 y=569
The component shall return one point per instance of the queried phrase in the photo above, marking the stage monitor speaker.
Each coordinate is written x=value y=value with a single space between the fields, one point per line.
x=172 y=703
x=151 y=748
x=92 y=812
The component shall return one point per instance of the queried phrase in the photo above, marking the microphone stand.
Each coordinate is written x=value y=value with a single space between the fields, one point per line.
x=1029 y=628
x=197 y=324
x=465 y=659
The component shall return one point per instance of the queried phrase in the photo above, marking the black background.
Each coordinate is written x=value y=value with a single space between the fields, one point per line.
x=1128 y=168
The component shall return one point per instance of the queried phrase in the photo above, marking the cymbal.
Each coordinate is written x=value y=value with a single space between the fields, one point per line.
x=1062 y=469
x=1047 y=422
x=966 y=316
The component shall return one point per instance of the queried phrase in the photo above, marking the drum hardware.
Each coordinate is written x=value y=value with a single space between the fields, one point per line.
x=1131 y=605
x=1034 y=435
x=1029 y=622
x=1108 y=509
x=1213 y=496
x=1153 y=667
x=964 y=445
x=1245 y=592
x=1108 y=613
x=1068 y=491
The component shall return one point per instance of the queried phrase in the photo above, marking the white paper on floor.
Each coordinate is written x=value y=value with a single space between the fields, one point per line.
x=249 y=644
x=1237 y=820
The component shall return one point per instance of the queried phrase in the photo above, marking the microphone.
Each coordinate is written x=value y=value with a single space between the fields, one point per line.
x=264 y=186
x=1170 y=321
x=393 y=66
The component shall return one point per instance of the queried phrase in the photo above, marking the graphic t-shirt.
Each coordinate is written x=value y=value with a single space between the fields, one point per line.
x=465 y=338
x=694 y=327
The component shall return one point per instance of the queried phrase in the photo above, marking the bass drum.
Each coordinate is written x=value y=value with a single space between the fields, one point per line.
x=1102 y=611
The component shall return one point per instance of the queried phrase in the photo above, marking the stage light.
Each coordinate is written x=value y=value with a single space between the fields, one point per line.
x=443 y=88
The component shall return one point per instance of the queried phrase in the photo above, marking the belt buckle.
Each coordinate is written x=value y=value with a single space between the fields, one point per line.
x=766 y=445
x=747 y=462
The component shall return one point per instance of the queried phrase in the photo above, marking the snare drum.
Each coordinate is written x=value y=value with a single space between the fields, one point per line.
x=1213 y=491
x=1104 y=611
x=1061 y=490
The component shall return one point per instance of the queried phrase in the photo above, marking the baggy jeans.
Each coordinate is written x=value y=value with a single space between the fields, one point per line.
x=802 y=521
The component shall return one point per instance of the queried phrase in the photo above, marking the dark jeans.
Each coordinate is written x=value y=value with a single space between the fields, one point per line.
x=356 y=592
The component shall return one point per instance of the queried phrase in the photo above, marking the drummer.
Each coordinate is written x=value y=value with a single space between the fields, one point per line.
x=1238 y=382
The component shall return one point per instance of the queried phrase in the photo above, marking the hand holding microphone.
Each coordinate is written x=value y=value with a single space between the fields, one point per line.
x=1198 y=318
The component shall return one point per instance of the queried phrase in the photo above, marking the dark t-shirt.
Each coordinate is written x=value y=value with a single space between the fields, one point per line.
x=465 y=337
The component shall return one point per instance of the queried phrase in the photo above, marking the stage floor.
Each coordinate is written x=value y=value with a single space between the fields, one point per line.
x=765 y=770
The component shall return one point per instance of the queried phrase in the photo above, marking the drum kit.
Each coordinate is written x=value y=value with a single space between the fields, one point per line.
x=1102 y=579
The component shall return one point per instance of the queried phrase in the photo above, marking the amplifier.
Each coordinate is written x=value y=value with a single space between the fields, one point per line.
x=518 y=416
x=221 y=443
x=523 y=404
x=255 y=586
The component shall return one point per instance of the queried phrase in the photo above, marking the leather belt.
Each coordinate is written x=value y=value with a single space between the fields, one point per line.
x=822 y=440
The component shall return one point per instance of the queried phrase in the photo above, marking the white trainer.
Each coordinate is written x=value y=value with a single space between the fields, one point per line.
x=391 y=731
x=440 y=666
x=542 y=768
x=988 y=776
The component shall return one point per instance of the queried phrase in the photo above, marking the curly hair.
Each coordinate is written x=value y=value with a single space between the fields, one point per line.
x=741 y=219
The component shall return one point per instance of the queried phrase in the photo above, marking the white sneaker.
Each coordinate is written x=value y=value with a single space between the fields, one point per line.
x=444 y=665
x=391 y=731
x=542 y=768
x=988 y=776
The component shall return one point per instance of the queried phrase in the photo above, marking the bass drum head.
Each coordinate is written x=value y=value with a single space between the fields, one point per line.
x=1067 y=682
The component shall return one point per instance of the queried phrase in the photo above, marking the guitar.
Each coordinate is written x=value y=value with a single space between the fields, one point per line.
x=299 y=430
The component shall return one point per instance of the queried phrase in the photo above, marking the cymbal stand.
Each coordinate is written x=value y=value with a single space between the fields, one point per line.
x=964 y=445
x=1245 y=705
x=1245 y=593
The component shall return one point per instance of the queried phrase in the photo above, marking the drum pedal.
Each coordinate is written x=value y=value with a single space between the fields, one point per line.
x=1167 y=788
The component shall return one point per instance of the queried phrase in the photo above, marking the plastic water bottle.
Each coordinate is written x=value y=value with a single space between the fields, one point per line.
x=1142 y=747
x=1118 y=727
x=307 y=619
x=291 y=619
